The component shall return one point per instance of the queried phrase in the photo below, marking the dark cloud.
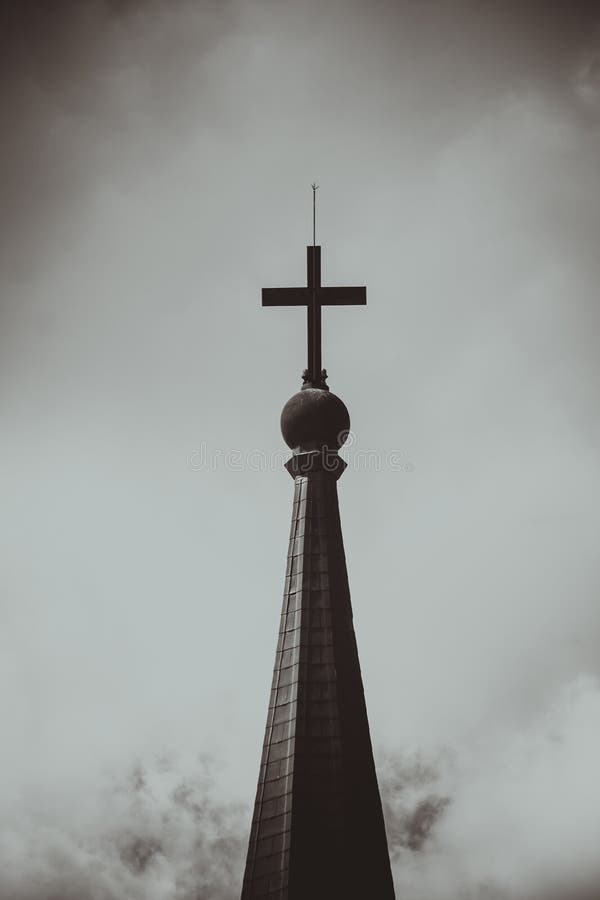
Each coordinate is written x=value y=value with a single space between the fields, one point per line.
x=412 y=803
x=156 y=833
x=87 y=90
x=88 y=87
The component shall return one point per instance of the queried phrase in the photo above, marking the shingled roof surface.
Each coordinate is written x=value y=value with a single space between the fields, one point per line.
x=317 y=831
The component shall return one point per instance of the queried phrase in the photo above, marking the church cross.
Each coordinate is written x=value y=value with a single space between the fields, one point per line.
x=314 y=296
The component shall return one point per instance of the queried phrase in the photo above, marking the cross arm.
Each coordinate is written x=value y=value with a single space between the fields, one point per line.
x=286 y=296
x=343 y=296
x=326 y=296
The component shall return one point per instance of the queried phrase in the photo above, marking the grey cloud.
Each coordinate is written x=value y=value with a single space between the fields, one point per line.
x=159 y=833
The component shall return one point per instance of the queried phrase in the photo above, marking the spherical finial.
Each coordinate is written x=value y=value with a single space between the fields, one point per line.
x=314 y=418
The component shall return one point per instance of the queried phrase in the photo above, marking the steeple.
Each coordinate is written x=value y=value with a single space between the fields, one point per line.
x=317 y=831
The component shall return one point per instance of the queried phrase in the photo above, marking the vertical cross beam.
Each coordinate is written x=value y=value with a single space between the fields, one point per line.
x=313 y=331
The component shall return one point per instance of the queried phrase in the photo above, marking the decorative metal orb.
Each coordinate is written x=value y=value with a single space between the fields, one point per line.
x=314 y=418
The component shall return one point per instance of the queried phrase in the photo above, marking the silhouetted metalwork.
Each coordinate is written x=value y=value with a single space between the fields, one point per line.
x=317 y=830
x=314 y=296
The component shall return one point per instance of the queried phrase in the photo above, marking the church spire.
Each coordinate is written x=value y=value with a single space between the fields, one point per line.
x=317 y=831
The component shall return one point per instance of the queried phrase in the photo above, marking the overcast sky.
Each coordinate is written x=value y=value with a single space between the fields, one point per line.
x=156 y=165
